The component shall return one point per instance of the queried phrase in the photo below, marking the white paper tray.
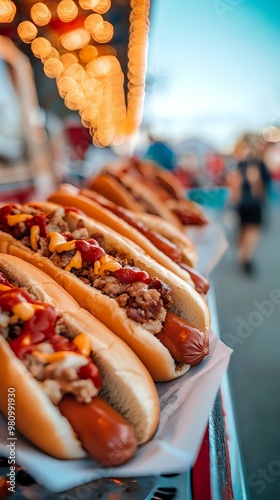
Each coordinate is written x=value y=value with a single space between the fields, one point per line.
x=185 y=407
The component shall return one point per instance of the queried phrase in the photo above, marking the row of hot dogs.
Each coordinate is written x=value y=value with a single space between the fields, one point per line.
x=96 y=303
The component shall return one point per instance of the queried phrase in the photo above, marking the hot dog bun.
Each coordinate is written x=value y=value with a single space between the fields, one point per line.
x=128 y=192
x=68 y=195
x=187 y=303
x=127 y=385
x=152 y=174
x=144 y=186
x=173 y=234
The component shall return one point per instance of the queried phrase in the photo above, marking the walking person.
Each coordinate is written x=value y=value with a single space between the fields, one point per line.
x=249 y=185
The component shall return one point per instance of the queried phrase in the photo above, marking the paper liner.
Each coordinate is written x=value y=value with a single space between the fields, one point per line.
x=185 y=403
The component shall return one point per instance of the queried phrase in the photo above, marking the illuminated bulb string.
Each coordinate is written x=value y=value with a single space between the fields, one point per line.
x=88 y=74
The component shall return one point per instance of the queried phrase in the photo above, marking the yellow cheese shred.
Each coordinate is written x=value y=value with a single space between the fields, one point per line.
x=55 y=240
x=23 y=310
x=66 y=247
x=34 y=233
x=83 y=343
x=17 y=218
x=75 y=262
x=3 y=288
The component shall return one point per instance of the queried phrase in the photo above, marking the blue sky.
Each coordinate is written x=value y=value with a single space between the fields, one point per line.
x=218 y=63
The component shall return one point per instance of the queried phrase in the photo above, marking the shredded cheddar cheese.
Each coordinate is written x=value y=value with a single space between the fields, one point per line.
x=55 y=240
x=23 y=310
x=59 y=244
x=96 y=267
x=37 y=306
x=56 y=356
x=66 y=247
x=107 y=263
x=75 y=262
x=16 y=219
x=82 y=341
x=34 y=233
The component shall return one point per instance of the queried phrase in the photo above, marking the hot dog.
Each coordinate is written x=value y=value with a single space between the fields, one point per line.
x=158 y=238
x=188 y=257
x=168 y=188
x=127 y=191
x=188 y=212
x=108 y=275
x=149 y=172
x=148 y=188
x=62 y=362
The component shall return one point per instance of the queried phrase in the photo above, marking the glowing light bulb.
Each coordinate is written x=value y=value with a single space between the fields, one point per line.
x=74 y=99
x=68 y=59
x=40 y=14
x=27 y=31
x=66 y=84
x=105 y=34
x=105 y=136
x=86 y=4
x=53 y=67
x=89 y=113
x=53 y=54
x=76 y=71
x=88 y=86
x=41 y=47
x=88 y=53
x=106 y=50
x=7 y=11
x=67 y=10
x=75 y=40
x=94 y=23
x=100 y=6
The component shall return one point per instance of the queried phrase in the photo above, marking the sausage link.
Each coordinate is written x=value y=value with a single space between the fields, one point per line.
x=185 y=343
x=164 y=245
x=201 y=283
x=189 y=217
x=160 y=242
x=103 y=432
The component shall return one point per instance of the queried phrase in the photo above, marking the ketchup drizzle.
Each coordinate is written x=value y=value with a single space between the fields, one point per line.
x=38 y=220
x=131 y=275
x=89 y=249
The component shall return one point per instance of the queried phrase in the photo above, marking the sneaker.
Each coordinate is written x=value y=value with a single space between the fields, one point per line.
x=249 y=267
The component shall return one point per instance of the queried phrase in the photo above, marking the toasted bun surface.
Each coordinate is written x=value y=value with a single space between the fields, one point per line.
x=111 y=189
x=101 y=214
x=187 y=303
x=150 y=196
x=124 y=195
x=173 y=234
x=127 y=385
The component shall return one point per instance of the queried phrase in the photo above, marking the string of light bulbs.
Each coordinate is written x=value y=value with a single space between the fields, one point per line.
x=88 y=73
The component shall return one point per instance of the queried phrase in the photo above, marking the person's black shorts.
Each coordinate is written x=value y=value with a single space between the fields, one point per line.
x=250 y=215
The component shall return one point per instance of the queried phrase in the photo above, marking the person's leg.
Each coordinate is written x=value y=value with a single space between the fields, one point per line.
x=248 y=242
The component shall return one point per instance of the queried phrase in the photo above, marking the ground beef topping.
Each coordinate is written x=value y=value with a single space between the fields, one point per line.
x=144 y=303
x=56 y=223
x=56 y=378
